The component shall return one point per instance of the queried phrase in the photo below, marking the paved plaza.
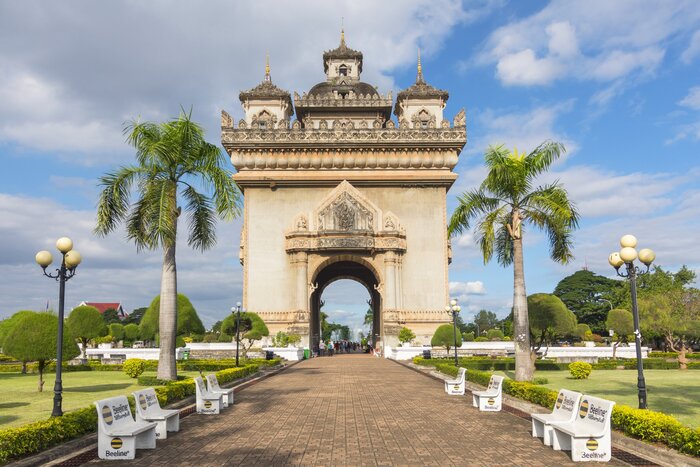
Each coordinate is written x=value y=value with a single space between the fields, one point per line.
x=354 y=410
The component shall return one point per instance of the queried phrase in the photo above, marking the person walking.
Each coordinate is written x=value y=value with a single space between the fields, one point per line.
x=321 y=348
x=330 y=348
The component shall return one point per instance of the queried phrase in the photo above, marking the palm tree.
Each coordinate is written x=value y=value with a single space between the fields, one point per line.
x=174 y=163
x=504 y=202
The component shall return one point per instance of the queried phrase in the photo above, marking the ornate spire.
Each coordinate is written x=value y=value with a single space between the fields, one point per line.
x=419 y=76
x=268 y=78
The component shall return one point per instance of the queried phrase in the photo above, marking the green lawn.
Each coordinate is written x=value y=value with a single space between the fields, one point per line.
x=20 y=402
x=673 y=392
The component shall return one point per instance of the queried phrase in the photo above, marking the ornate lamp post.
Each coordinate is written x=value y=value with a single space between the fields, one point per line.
x=626 y=256
x=454 y=309
x=237 y=309
x=70 y=259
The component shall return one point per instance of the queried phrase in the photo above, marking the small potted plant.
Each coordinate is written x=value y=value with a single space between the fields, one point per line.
x=406 y=336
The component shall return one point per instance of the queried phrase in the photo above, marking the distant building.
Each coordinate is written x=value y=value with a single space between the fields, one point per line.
x=102 y=307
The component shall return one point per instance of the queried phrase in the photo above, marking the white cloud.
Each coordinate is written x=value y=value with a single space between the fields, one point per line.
x=467 y=288
x=692 y=100
x=693 y=49
x=111 y=267
x=70 y=74
x=594 y=40
x=524 y=129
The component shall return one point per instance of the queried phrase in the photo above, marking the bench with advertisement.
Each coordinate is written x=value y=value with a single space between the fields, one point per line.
x=118 y=435
x=491 y=399
x=214 y=387
x=208 y=403
x=588 y=436
x=456 y=386
x=564 y=412
x=148 y=410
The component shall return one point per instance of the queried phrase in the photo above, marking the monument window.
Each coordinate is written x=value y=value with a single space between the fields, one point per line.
x=343 y=70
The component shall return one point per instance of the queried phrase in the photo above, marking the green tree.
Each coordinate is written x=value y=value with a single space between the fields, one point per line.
x=504 y=202
x=116 y=330
x=33 y=339
x=216 y=327
x=188 y=321
x=590 y=296
x=583 y=331
x=135 y=316
x=675 y=315
x=85 y=323
x=622 y=323
x=468 y=336
x=111 y=316
x=549 y=319
x=253 y=328
x=131 y=332
x=6 y=326
x=444 y=337
x=172 y=160
x=485 y=320
x=494 y=335
x=406 y=335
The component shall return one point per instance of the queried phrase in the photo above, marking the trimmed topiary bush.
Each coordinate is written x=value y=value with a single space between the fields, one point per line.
x=406 y=335
x=580 y=370
x=133 y=367
x=445 y=337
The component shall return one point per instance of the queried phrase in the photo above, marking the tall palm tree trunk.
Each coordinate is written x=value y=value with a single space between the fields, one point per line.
x=167 y=367
x=523 y=364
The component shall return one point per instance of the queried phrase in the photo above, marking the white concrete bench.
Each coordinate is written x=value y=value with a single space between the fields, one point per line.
x=489 y=400
x=456 y=386
x=564 y=411
x=148 y=410
x=118 y=435
x=214 y=387
x=208 y=403
x=588 y=436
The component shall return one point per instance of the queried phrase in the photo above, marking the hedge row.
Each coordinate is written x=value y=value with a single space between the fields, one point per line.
x=689 y=356
x=35 y=437
x=151 y=365
x=646 y=425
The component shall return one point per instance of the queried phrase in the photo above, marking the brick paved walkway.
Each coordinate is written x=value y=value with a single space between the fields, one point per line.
x=356 y=410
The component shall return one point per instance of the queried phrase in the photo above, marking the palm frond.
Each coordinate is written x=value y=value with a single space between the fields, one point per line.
x=542 y=157
x=202 y=233
x=486 y=232
x=472 y=204
x=504 y=245
x=113 y=203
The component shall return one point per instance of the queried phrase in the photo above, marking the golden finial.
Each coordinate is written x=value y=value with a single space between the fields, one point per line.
x=342 y=31
x=267 y=66
x=419 y=76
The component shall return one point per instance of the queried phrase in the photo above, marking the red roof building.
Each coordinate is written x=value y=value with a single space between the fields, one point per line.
x=104 y=306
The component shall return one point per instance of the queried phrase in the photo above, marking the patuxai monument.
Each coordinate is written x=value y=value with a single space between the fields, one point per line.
x=336 y=189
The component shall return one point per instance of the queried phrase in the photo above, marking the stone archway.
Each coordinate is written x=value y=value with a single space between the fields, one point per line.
x=344 y=267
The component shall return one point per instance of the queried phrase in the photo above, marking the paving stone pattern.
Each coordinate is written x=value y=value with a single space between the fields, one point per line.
x=351 y=410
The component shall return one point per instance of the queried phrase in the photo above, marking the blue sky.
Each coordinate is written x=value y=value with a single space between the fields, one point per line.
x=617 y=82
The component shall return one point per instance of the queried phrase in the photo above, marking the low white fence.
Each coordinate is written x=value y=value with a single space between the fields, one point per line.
x=562 y=354
x=123 y=354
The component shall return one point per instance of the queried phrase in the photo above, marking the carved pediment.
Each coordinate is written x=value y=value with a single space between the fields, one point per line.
x=346 y=210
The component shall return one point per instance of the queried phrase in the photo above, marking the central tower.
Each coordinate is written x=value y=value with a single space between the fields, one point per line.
x=342 y=191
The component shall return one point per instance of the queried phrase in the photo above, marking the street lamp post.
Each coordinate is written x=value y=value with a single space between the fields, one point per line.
x=237 y=309
x=626 y=256
x=454 y=309
x=70 y=259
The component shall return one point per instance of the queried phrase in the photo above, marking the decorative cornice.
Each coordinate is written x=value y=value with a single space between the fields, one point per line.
x=235 y=139
x=326 y=241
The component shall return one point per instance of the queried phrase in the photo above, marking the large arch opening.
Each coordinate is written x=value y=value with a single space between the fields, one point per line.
x=333 y=271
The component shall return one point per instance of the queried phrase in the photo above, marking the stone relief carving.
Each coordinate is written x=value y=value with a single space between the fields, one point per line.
x=226 y=120
x=302 y=223
x=345 y=213
x=242 y=125
x=460 y=119
x=323 y=124
x=296 y=125
x=345 y=242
